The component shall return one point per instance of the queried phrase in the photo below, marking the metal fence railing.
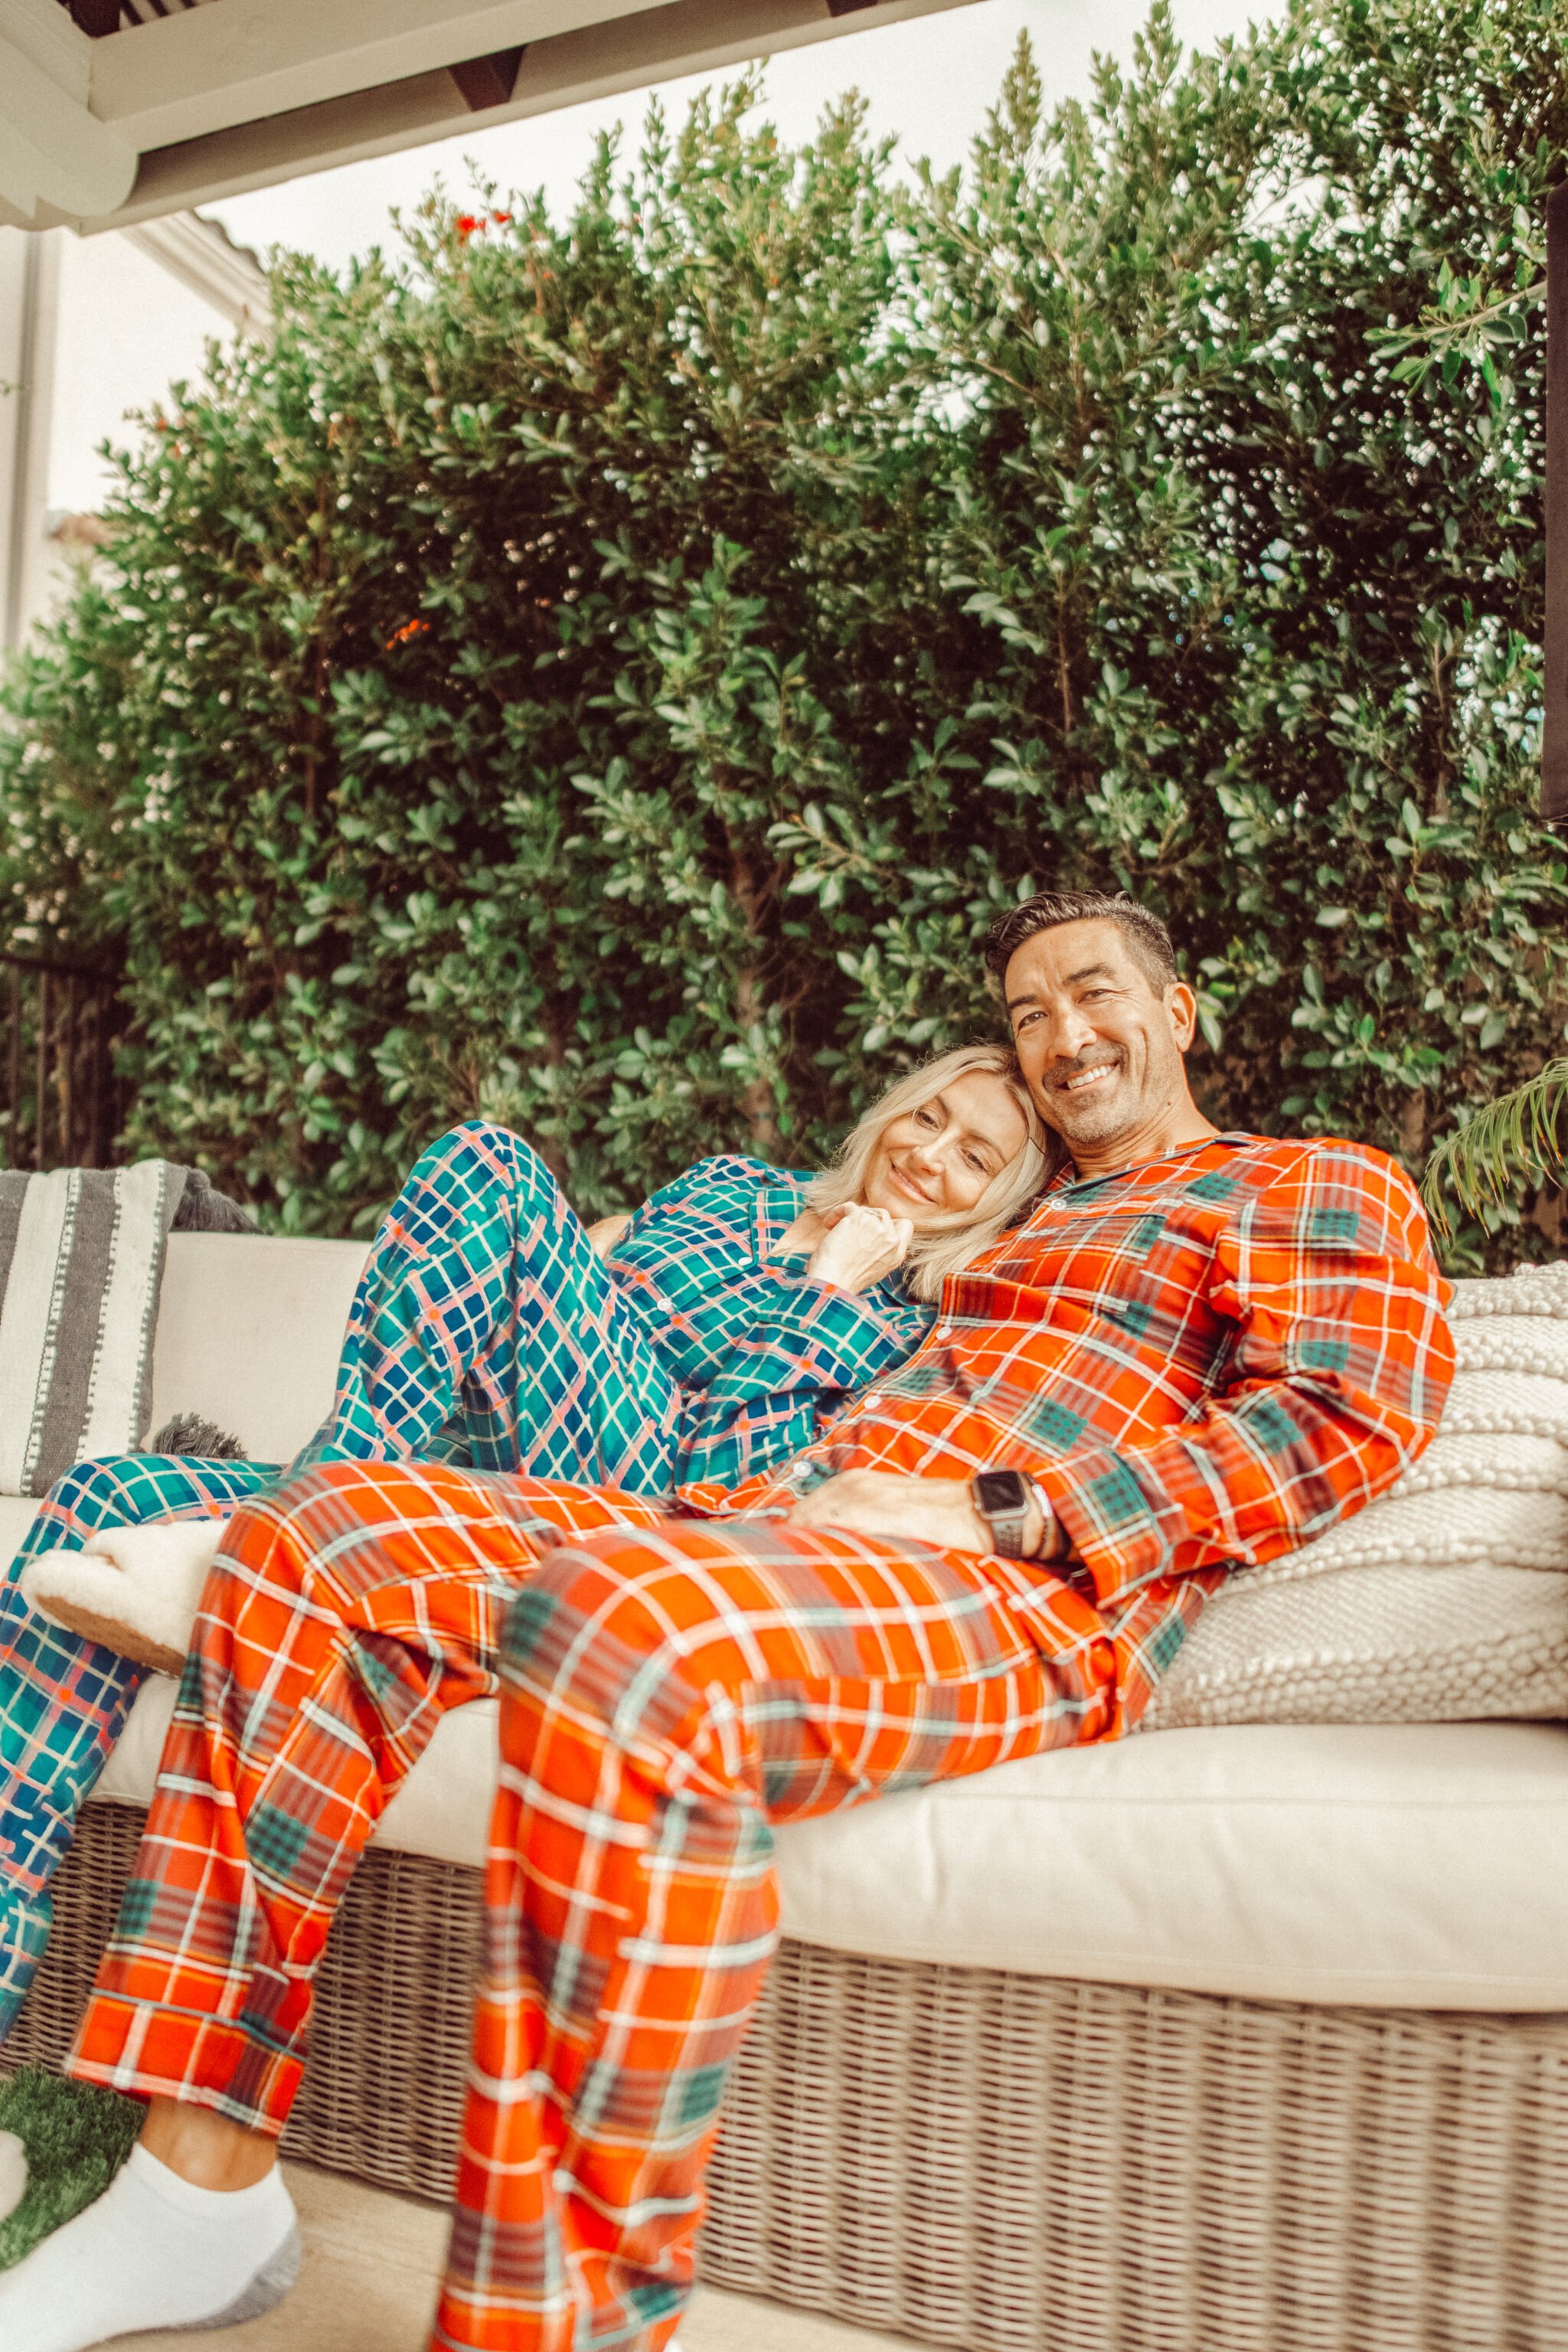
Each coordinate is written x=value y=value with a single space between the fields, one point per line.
x=60 y=1103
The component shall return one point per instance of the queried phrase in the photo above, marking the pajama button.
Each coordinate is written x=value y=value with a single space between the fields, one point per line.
x=873 y=1398
x=942 y=1331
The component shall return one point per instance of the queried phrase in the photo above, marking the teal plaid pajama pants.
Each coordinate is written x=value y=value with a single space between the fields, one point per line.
x=486 y=1331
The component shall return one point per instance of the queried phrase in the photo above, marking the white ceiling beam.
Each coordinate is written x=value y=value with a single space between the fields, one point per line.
x=46 y=36
x=56 y=161
x=204 y=69
x=660 y=44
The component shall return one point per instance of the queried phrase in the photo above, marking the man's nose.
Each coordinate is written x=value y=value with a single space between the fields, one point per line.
x=1068 y=1032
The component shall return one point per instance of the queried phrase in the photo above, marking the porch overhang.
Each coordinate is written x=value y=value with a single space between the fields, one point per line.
x=113 y=111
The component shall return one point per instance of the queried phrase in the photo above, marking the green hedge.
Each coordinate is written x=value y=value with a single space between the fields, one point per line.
x=603 y=676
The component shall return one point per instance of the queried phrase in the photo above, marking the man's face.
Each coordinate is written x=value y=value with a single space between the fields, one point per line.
x=1099 y=1045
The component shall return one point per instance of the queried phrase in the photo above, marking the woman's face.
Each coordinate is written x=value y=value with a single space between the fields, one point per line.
x=938 y=1159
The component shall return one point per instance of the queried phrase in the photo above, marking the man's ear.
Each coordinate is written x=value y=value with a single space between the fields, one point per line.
x=1182 y=1004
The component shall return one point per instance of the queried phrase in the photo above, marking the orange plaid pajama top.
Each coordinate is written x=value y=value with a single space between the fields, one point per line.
x=1204 y=1362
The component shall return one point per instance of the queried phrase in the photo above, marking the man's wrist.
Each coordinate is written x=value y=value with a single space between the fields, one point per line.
x=1015 y=1511
x=1051 y=1543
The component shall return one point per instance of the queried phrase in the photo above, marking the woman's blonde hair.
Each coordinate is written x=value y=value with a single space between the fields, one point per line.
x=941 y=1248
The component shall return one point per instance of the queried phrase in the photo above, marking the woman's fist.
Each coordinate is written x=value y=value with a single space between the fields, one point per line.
x=859 y=1247
x=607 y=1232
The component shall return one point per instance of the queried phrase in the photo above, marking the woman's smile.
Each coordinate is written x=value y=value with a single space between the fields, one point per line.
x=903 y=1182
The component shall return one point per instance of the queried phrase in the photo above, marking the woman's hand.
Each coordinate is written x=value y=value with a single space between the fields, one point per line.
x=860 y=1246
x=607 y=1232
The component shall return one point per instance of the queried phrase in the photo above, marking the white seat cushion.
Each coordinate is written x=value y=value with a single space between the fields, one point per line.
x=1420 y=1865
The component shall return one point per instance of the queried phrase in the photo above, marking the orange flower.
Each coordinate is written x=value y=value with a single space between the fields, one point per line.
x=409 y=629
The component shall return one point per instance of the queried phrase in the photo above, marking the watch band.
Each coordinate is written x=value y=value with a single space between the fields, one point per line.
x=1002 y=1499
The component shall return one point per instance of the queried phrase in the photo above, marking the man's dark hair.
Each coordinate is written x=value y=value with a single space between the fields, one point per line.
x=1148 y=941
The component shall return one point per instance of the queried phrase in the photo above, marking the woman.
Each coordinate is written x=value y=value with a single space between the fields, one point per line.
x=703 y=1337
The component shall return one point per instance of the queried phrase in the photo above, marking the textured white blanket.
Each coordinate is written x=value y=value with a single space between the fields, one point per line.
x=1446 y=1599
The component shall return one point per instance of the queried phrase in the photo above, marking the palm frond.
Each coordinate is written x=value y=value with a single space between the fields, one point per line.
x=1517 y=1135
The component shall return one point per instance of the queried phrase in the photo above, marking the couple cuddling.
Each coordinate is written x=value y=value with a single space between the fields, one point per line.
x=726 y=1570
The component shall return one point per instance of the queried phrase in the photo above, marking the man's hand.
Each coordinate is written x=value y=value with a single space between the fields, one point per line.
x=882 y=1503
x=938 y=1511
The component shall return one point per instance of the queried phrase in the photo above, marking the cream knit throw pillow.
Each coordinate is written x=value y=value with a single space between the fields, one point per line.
x=1446 y=1599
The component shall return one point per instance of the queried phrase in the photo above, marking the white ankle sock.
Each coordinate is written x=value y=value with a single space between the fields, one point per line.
x=152 y=2253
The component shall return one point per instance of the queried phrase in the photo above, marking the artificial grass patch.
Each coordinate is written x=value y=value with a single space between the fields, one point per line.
x=77 y=2138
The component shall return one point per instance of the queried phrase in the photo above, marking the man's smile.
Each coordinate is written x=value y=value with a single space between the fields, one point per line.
x=1077 y=1080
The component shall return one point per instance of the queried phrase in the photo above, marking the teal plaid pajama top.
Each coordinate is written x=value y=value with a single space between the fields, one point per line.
x=764 y=1355
x=486 y=1331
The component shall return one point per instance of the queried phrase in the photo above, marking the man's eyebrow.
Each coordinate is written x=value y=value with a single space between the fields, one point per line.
x=1085 y=971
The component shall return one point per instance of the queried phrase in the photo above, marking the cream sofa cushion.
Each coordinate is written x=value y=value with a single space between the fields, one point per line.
x=249 y=1327
x=1446 y=1599
x=1395 y=1865
x=17 y=1513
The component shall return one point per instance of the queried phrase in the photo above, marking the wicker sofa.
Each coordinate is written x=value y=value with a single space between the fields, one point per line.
x=1251 y=2040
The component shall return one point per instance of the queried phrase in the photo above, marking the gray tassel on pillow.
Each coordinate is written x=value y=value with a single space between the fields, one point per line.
x=187 y=1433
x=203 y=1210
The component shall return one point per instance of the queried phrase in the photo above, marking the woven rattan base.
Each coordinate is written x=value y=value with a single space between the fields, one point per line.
x=998 y=2163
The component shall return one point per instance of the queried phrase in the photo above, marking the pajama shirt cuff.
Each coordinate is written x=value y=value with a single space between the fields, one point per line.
x=838 y=1335
x=1111 y=1524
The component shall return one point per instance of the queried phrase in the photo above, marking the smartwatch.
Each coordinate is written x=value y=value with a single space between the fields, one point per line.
x=1002 y=1498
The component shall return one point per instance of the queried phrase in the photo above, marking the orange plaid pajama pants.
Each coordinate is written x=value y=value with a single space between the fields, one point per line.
x=671 y=1690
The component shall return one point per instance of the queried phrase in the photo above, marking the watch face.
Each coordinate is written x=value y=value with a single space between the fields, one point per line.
x=1000 y=1491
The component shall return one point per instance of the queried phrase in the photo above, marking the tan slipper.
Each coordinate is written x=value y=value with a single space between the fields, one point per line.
x=135 y=1589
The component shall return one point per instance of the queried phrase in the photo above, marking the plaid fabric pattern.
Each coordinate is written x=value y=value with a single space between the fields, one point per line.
x=486 y=1329
x=674 y=1686
x=669 y=1695
x=63 y=1700
x=1204 y=1361
x=349 y=1608
x=764 y=1356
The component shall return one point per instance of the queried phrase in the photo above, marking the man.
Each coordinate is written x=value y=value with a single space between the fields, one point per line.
x=1201 y=1349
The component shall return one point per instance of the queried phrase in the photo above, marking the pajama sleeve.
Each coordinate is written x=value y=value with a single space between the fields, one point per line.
x=799 y=1349
x=1334 y=1382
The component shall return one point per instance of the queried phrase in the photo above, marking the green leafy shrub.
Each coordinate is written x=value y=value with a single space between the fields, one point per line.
x=605 y=674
